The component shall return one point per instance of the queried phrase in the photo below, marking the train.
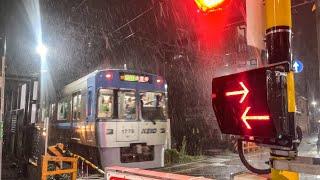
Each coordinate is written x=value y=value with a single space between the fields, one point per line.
x=113 y=117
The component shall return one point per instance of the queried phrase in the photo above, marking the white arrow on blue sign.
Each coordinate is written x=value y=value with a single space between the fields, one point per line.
x=297 y=66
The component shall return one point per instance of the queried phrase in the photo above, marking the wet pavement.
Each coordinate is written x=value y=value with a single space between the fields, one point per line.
x=11 y=171
x=308 y=148
x=223 y=167
x=217 y=167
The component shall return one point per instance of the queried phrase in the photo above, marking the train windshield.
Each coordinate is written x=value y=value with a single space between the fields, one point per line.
x=152 y=106
x=105 y=103
x=127 y=105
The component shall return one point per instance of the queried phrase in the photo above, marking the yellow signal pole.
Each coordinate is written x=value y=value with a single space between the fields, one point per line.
x=278 y=45
x=278 y=30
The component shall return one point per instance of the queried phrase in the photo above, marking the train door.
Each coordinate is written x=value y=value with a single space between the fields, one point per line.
x=90 y=105
x=77 y=128
x=90 y=118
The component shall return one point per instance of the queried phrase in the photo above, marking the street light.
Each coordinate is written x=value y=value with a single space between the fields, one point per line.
x=41 y=50
x=314 y=103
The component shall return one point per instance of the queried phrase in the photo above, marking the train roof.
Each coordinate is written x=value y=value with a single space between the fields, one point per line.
x=81 y=83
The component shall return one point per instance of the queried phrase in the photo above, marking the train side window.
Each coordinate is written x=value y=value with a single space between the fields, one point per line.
x=127 y=105
x=76 y=106
x=83 y=108
x=89 y=110
x=105 y=103
x=63 y=110
x=52 y=111
x=60 y=111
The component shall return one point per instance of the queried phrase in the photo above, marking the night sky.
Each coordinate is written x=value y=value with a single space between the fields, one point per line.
x=85 y=35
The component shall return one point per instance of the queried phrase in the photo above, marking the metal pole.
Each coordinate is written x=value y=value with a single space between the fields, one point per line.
x=314 y=118
x=43 y=102
x=317 y=11
x=46 y=136
x=2 y=87
x=278 y=45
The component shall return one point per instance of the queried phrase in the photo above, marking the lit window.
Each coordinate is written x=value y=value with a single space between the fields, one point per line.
x=76 y=106
x=127 y=105
x=105 y=103
x=152 y=106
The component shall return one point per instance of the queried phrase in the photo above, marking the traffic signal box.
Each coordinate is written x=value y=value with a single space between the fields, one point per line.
x=254 y=104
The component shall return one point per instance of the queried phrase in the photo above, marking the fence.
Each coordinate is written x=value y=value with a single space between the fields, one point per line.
x=59 y=160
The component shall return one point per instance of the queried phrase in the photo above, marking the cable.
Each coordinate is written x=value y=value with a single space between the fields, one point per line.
x=246 y=163
x=135 y=18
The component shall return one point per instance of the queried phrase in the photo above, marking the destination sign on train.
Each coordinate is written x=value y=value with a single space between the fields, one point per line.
x=134 y=78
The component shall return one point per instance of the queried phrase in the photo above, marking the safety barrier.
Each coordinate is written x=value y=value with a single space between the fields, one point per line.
x=125 y=173
x=247 y=147
x=72 y=170
x=250 y=147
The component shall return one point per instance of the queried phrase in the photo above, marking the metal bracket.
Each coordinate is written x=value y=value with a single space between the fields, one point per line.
x=275 y=153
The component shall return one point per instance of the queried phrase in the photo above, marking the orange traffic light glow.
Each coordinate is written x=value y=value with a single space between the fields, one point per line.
x=208 y=5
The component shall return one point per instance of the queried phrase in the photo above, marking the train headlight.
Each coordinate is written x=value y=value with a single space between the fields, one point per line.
x=109 y=75
x=159 y=80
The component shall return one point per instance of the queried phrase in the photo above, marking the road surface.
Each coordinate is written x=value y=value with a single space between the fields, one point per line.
x=222 y=167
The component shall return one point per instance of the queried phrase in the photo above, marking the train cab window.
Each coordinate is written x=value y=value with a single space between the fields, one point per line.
x=105 y=103
x=76 y=106
x=127 y=105
x=152 y=106
x=63 y=110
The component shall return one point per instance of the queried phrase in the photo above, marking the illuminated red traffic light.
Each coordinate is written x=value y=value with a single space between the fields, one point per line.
x=209 y=5
x=240 y=104
x=244 y=92
x=253 y=104
x=245 y=117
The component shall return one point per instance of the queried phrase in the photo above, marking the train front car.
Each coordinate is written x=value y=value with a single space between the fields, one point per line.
x=129 y=111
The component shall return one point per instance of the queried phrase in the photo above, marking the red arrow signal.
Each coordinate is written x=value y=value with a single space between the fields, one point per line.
x=244 y=92
x=244 y=117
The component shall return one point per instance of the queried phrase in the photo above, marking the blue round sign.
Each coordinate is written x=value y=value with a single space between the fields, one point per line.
x=297 y=66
